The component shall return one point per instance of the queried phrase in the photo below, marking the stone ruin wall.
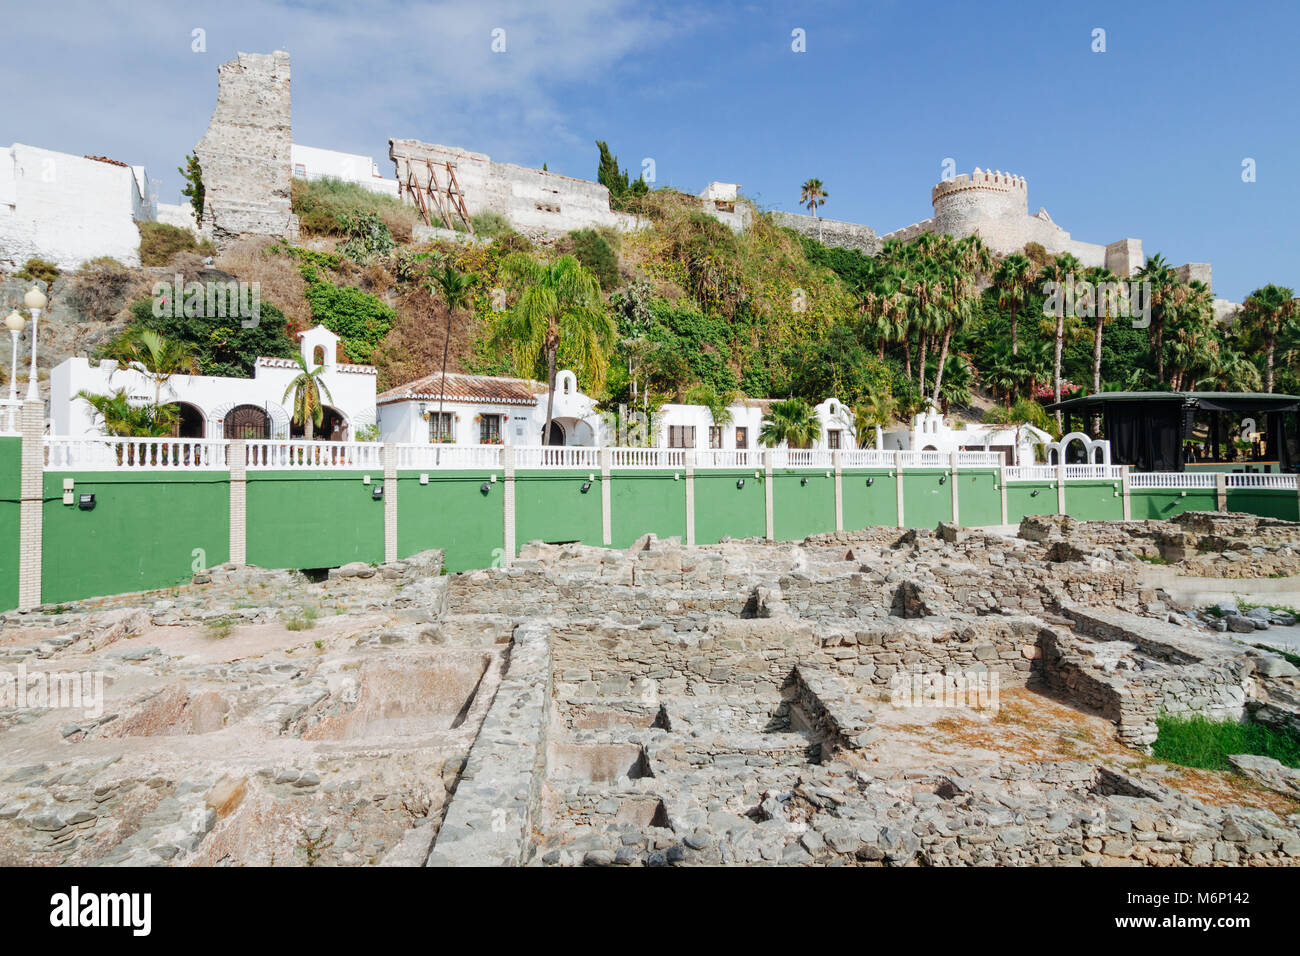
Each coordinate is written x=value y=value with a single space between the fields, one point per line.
x=245 y=153
x=539 y=204
x=830 y=232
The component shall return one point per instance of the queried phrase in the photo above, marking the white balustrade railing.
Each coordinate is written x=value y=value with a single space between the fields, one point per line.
x=926 y=459
x=1031 y=473
x=270 y=455
x=1170 y=479
x=447 y=455
x=1108 y=472
x=801 y=458
x=133 y=454
x=1262 y=481
x=866 y=458
x=974 y=459
x=728 y=458
x=10 y=417
x=556 y=456
x=648 y=457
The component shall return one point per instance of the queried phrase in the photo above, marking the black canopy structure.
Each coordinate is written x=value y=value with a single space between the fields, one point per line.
x=1165 y=431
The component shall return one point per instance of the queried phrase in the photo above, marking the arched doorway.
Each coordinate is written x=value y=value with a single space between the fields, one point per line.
x=557 y=434
x=190 y=421
x=247 y=423
x=333 y=427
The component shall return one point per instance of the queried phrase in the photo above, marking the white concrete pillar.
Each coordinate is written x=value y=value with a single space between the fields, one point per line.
x=389 y=457
x=237 y=462
x=508 y=461
x=31 y=508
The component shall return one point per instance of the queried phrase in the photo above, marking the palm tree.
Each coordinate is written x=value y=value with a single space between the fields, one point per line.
x=558 y=304
x=792 y=421
x=1265 y=313
x=877 y=408
x=306 y=388
x=718 y=403
x=154 y=356
x=968 y=261
x=125 y=420
x=1163 y=280
x=1060 y=270
x=1013 y=279
x=1098 y=276
x=455 y=289
x=812 y=194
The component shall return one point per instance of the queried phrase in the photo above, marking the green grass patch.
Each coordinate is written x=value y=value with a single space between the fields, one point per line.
x=303 y=619
x=324 y=205
x=1198 y=742
x=219 y=628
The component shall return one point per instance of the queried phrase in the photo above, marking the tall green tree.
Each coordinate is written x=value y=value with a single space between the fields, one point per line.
x=1013 y=279
x=306 y=388
x=1061 y=270
x=813 y=194
x=1264 y=314
x=455 y=289
x=557 y=305
x=155 y=356
x=792 y=421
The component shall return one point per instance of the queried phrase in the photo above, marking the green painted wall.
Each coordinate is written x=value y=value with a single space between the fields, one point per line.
x=1265 y=502
x=979 y=502
x=1149 y=503
x=1021 y=500
x=313 y=519
x=926 y=502
x=802 y=507
x=11 y=468
x=644 y=502
x=143 y=532
x=867 y=506
x=551 y=506
x=453 y=513
x=724 y=511
x=1094 y=500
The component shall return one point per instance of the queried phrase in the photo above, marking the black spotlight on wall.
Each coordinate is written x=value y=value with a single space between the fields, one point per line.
x=1034 y=493
x=586 y=487
x=803 y=481
x=943 y=479
x=86 y=502
x=740 y=482
x=485 y=488
x=870 y=482
x=377 y=492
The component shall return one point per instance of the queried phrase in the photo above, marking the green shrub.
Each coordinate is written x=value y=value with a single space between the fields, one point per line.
x=221 y=346
x=99 y=288
x=159 y=242
x=1198 y=742
x=491 y=224
x=591 y=249
x=39 y=270
x=367 y=237
x=322 y=204
x=193 y=184
x=360 y=319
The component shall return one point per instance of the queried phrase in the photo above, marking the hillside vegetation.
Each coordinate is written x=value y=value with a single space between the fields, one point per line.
x=697 y=310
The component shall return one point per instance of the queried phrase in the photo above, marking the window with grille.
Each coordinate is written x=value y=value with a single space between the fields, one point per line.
x=681 y=436
x=715 y=436
x=440 y=427
x=489 y=430
x=833 y=438
x=742 y=438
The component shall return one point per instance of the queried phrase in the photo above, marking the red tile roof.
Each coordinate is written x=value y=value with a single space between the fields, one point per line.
x=466 y=388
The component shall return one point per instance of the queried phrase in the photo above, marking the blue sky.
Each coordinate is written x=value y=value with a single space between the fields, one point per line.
x=1146 y=139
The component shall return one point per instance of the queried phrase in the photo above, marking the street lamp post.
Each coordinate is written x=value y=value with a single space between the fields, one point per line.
x=35 y=301
x=14 y=323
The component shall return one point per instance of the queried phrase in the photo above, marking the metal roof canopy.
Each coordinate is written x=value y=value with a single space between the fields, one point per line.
x=1206 y=401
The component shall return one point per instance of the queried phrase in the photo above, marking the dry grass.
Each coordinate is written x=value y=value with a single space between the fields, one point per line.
x=250 y=260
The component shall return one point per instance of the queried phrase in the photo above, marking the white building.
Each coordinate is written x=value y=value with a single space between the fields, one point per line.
x=67 y=209
x=217 y=407
x=311 y=162
x=930 y=432
x=488 y=410
x=692 y=426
